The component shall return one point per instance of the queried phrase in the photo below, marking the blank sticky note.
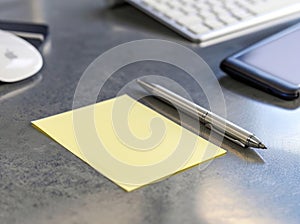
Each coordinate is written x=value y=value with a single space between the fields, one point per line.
x=129 y=143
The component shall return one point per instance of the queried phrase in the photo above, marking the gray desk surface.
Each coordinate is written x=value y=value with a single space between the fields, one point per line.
x=40 y=182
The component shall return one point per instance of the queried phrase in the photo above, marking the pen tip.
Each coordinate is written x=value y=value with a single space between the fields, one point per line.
x=262 y=146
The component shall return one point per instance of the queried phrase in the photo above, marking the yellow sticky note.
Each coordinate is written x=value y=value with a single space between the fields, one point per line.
x=127 y=142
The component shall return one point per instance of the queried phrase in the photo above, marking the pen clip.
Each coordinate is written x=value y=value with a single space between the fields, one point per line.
x=211 y=127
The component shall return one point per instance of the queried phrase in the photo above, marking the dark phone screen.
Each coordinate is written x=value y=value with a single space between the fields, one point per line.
x=280 y=57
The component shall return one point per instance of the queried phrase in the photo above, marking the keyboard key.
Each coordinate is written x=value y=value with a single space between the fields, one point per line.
x=228 y=19
x=200 y=28
x=241 y=14
x=214 y=24
x=189 y=20
x=173 y=14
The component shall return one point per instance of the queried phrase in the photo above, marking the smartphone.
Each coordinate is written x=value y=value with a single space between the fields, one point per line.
x=272 y=64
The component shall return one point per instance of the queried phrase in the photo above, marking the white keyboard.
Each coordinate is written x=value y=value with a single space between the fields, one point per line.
x=205 y=20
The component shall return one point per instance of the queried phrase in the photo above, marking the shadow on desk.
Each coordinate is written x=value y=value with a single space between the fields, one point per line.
x=9 y=90
x=247 y=154
x=250 y=92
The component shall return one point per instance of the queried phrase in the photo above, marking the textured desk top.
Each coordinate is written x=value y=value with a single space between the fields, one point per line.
x=42 y=183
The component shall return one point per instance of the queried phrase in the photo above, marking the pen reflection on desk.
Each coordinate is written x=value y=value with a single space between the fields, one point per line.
x=212 y=121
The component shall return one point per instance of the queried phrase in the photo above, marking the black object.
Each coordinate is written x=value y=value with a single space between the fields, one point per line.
x=36 y=34
x=272 y=64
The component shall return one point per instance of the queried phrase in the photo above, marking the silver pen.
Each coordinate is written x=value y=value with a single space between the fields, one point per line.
x=214 y=122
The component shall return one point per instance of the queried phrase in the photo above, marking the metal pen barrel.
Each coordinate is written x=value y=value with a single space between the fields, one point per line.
x=216 y=123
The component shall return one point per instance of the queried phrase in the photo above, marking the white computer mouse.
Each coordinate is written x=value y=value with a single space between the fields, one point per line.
x=18 y=58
